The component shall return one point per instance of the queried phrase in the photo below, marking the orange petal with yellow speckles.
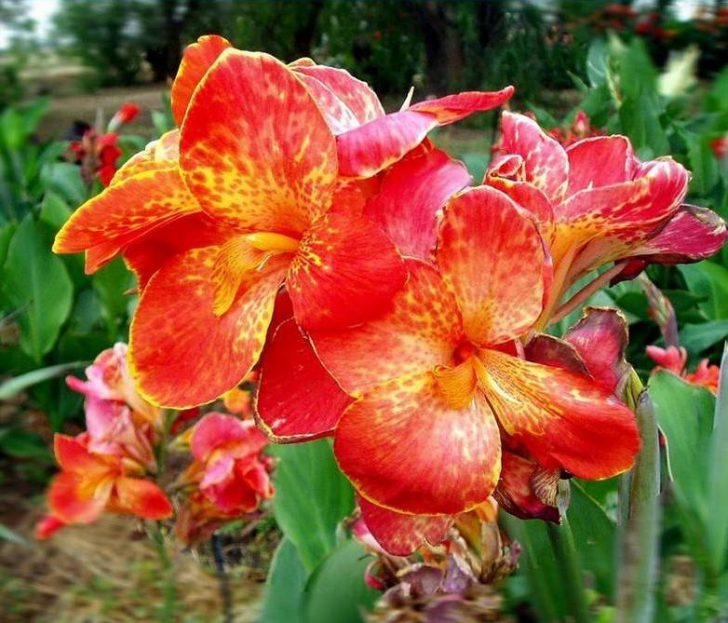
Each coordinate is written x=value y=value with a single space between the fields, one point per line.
x=126 y=211
x=182 y=354
x=404 y=449
x=412 y=193
x=493 y=258
x=72 y=501
x=196 y=61
x=545 y=164
x=347 y=102
x=345 y=272
x=142 y=498
x=565 y=420
x=164 y=150
x=297 y=398
x=400 y=534
x=419 y=333
x=255 y=149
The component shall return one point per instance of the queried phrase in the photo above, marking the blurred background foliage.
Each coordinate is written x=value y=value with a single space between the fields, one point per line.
x=636 y=68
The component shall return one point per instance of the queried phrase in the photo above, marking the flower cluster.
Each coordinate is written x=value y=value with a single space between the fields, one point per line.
x=115 y=466
x=291 y=225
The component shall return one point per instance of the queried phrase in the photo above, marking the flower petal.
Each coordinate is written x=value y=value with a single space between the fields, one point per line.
x=345 y=272
x=197 y=60
x=406 y=450
x=516 y=492
x=420 y=333
x=601 y=338
x=127 y=210
x=182 y=354
x=401 y=534
x=452 y=108
x=412 y=193
x=600 y=161
x=72 y=502
x=142 y=498
x=353 y=103
x=255 y=149
x=217 y=430
x=545 y=164
x=287 y=405
x=565 y=420
x=493 y=257
x=72 y=456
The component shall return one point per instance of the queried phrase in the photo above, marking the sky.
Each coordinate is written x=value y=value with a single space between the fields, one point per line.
x=42 y=11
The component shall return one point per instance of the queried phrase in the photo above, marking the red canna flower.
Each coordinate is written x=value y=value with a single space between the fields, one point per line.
x=97 y=154
x=675 y=359
x=126 y=114
x=91 y=483
x=215 y=220
x=596 y=203
x=228 y=466
x=439 y=379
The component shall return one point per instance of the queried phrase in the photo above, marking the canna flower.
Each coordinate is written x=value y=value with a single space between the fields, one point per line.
x=367 y=139
x=438 y=380
x=97 y=154
x=674 y=359
x=91 y=483
x=596 y=203
x=215 y=218
x=127 y=112
x=229 y=468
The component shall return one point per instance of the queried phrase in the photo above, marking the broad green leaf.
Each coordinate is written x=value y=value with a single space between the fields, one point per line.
x=718 y=476
x=54 y=210
x=312 y=497
x=685 y=415
x=23 y=445
x=37 y=284
x=64 y=179
x=111 y=283
x=704 y=166
x=15 y=385
x=336 y=591
x=697 y=337
x=640 y=122
x=6 y=235
x=597 y=63
x=283 y=599
x=710 y=280
x=6 y=534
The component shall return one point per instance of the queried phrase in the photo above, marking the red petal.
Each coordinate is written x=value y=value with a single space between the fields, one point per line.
x=551 y=351
x=515 y=491
x=493 y=258
x=601 y=338
x=401 y=534
x=544 y=160
x=73 y=456
x=142 y=498
x=405 y=449
x=345 y=272
x=197 y=59
x=421 y=332
x=412 y=193
x=48 y=526
x=71 y=501
x=452 y=108
x=217 y=430
x=297 y=398
x=182 y=354
x=600 y=161
x=255 y=149
x=346 y=101
x=126 y=211
x=565 y=420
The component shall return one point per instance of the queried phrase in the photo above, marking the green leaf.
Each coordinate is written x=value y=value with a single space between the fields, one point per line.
x=703 y=165
x=54 y=211
x=283 y=600
x=597 y=63
x=697 y=337
x=717 y=536
x=23 y=445
x=312 y=497
x=6 y=534
x=37 y=284
x=685 y=415
x=336 y=591
x=111 y=283
x=64 y=179
x=710 y=280
x=15 y=385
x=640 y=122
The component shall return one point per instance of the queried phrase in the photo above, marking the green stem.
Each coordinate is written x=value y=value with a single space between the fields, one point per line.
x=167 y=612
x=562 y=544
x=640 y=525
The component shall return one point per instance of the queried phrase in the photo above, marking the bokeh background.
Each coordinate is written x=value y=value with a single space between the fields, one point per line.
x=69 y=65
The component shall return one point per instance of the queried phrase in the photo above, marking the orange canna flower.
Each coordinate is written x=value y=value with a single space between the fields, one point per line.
x=441 y=378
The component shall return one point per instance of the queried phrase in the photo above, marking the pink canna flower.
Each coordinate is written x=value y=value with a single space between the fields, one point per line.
x=675 y=359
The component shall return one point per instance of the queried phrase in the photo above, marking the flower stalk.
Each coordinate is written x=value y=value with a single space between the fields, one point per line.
x=638 y=543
